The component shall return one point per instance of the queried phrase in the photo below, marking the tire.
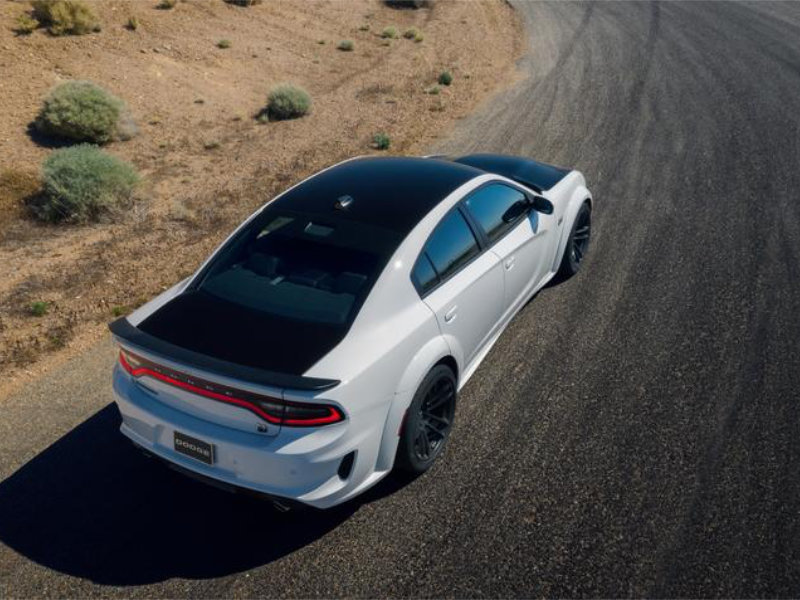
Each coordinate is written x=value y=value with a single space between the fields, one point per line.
x=577 y=243
x=428 y=421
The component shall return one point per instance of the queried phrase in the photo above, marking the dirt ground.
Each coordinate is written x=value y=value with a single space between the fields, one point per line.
x=206 y=161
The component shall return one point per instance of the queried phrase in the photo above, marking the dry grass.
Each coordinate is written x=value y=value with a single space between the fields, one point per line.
x=16 y=186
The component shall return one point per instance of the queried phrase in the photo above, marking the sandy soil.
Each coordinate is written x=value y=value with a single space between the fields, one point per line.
x=207 y=162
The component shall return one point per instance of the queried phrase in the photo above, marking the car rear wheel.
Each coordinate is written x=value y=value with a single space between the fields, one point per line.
x=577 y=243
x=428 y=421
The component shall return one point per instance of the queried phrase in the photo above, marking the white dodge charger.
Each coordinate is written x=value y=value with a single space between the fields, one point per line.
x=323 y=344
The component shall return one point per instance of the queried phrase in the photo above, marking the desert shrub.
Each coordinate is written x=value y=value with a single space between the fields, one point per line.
x=66 y=17
x=364 y=27
x=132 y=24
x=39 y=308
x=82 y=182
x=224 y=44
x=412 y=33
x=389 y=32
x=244 y=2
x=287 y=101
x=166 y=4
x=26 y=25
x=433 y=90
x=345 y=46
x=381 y=141
x=445 y=78
x=84 y=112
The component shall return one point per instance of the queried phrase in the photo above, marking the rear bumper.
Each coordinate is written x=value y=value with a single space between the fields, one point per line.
x=297 y=464
x=282 y=503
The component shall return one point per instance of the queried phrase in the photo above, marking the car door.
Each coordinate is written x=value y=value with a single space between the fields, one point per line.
x=519 y=238
x=461 y=284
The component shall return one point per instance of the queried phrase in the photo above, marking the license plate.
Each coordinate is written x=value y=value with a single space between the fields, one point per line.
x=197 y=449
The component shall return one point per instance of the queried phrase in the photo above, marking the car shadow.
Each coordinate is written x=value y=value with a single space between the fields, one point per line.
x=557 y=280
x=94 y=507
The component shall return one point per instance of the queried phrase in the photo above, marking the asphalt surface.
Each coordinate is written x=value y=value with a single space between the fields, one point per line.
x=636 y=431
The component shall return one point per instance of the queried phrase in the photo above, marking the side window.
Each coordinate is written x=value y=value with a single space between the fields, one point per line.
x=488 y=205
x=451 y=245
x=424 y=276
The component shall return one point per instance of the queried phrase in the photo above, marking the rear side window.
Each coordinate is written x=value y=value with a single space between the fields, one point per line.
x=452 y=245
x=488 y=205
x=424 y=276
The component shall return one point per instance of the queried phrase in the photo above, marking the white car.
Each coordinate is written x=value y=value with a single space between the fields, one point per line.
x=324 y=342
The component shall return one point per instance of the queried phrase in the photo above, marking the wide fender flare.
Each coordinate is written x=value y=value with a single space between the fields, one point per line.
x=419 y=366
x=579 y=195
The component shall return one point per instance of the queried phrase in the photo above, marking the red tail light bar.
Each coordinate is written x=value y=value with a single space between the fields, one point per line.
x=273 y=410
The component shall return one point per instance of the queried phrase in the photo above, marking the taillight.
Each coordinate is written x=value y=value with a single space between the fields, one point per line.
x=273 y=410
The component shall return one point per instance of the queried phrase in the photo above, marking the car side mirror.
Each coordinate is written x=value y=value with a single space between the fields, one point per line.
x=542 y=205
x=516 y=210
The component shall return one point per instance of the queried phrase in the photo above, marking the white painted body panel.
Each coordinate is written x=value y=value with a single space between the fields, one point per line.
x=468 y=307
x=395 y=340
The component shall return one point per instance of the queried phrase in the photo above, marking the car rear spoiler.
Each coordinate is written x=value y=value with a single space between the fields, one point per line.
x=124 y=331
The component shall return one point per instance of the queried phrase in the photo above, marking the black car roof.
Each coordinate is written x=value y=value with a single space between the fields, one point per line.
x=536 y=175
x=389 y=192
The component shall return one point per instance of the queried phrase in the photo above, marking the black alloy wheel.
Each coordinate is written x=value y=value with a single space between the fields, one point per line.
x=434 y=419
x=578 y=242
x=428 y=421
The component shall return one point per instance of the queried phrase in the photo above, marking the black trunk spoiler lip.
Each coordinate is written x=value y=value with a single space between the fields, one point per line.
x=127 y=332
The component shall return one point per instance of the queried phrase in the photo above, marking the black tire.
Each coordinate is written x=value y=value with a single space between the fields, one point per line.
x=577 y=243
x=428 y=421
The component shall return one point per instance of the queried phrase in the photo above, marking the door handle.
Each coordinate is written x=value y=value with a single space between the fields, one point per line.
x=509 y=263
x=450 y=314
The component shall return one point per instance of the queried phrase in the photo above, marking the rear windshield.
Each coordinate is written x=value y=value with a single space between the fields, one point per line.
x=312 y=269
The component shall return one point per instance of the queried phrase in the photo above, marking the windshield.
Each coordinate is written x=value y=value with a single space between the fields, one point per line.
x=299 y=266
